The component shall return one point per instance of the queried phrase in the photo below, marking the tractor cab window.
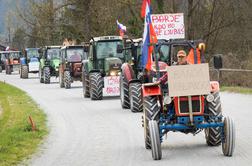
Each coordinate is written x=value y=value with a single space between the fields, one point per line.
x=32 y=53
x=108 y=49
x=75 y=55
x=14 y=55
x=53 y=54
x=163 y=53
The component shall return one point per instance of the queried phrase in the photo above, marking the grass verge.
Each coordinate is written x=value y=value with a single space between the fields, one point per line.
x=17 y=140
x=237 y=89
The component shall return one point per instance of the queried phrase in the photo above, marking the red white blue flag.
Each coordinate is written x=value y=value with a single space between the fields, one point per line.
x=149 y=36
x=121 y=27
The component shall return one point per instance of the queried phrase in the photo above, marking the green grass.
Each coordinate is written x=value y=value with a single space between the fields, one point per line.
x=17 y=140
x=237 y=89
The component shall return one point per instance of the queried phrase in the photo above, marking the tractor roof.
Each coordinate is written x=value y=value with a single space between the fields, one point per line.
x=74 y=46
x=10 y=52
x=50 y=47
x=104 y=38
x=31 y=49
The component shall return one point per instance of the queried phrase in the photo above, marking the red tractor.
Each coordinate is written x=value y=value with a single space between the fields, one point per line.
x=12 y=61
x=189 y=103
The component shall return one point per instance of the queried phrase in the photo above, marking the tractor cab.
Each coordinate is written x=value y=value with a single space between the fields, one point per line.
x=71 y=58
x=106 y=54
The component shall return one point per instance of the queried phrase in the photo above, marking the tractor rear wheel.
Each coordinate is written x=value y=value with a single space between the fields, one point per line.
x=124 y=92
x=151 y=112
x=1 y=69
x=213 y=135
x=67 y=79
x=47 y=75
x=135 y=94
x=155 y=140
x=24 y=71
x=228 y=143
x=96 y=84
x=85 y=84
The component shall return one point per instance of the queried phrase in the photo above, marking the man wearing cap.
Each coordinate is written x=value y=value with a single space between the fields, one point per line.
x=182 y=60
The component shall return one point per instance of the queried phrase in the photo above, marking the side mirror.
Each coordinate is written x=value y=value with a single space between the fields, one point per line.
x=217 y=61
x=119 y=49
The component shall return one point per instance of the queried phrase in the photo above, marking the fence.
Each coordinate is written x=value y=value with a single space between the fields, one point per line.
x=232 y=77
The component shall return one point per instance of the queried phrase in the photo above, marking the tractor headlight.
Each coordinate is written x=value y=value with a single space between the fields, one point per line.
x=210 y=98
x=167 y=100
x=112 y=73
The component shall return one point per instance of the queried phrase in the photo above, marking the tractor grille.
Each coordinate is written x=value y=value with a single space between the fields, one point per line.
x=182 y=105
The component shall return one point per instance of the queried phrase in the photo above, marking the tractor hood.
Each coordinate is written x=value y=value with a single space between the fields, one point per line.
x=112 y=65
x=55 y=63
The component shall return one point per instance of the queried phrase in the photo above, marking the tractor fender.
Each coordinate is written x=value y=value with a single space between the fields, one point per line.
x=151 y=89
x=128 y=72
x=135 y=81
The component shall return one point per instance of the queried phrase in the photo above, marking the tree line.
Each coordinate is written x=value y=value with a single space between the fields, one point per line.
x=225 y=25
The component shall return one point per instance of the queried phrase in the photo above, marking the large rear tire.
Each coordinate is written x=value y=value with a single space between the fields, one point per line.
x=151 y=112
x=24 y=71
x=96 y=85
x=85 y=84
x=228 y=143
x=213 y=135
x=8 y=70
x=47 y=75
x=124 y=92
x=41 y=77
x=1 y=69
x=135 y=95
x=67 y=79
x=155 y=140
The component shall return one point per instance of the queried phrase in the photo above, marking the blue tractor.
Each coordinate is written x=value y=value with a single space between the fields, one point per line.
x=29 y=62
x=190 y=103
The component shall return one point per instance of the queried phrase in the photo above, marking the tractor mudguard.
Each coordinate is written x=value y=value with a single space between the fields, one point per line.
x=128 y=72
x=151 y=89
x=134 y=81
x=215 y=87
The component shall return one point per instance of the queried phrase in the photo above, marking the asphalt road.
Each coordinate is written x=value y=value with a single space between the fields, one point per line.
x=101 y=133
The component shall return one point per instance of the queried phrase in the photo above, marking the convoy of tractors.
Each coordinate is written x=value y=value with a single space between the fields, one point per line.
x=186 y=102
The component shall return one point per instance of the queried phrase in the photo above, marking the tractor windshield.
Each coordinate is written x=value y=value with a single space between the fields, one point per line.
x=32 y=53
x=75 y=55
x=14 y=55
x=108 y=49
x=163 y=53
x=53 y=53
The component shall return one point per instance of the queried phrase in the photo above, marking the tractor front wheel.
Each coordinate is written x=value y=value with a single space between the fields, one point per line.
x=228 y=143
x=61 y=80
x=1 y=69
x=124 y=92
x=151 y=112
x=213 y=134
x=155 y=140
x=8 y=69
x=46 y=75
x=96 y=84
x=135 y=94
x=67 y=79
x=24 y=71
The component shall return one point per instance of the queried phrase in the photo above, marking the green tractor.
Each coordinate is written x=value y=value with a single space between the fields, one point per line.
x=49 y=63
x=70 y=64
x=101 y=71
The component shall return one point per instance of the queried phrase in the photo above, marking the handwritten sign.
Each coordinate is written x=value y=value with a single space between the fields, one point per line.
x=111 y=86
x=169 y=26
x=188 y=80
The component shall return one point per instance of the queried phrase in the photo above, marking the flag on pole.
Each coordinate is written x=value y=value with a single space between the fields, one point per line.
x=149 y=36
x=121 y=27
